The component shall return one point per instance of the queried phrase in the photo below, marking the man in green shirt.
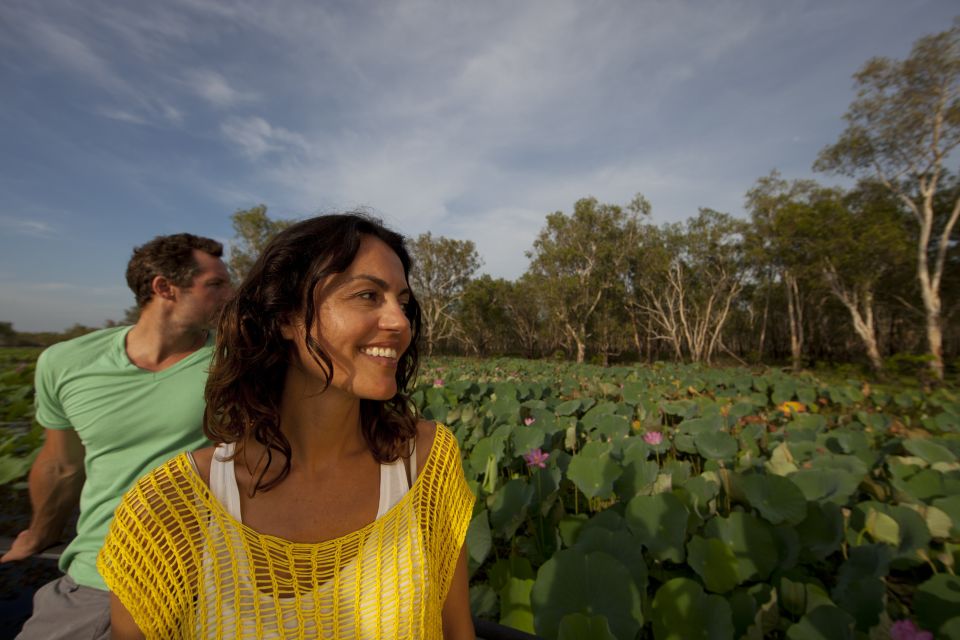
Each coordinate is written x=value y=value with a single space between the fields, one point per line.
x=115 y=404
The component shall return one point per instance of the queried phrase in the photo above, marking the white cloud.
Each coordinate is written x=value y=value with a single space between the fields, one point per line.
x=26 y=226
x=214 y=88
x=256 y=137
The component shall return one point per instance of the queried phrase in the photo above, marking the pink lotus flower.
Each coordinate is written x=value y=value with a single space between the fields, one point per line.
x=529 y=421
x=653 y=438
x=536 y=458
x=438 y=382
x=906 y=630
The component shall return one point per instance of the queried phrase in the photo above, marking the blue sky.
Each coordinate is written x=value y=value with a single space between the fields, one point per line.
x=123 y=120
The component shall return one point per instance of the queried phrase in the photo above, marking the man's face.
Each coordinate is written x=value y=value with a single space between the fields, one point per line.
x=199 y=304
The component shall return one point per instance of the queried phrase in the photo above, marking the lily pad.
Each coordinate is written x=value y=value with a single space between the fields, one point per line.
x=928 y=450
x=937 y=600
x=777 y=498
x=716 y=445
x=681 y=610
x=593 y=470
x=660 y=523
x=578 y=626
x=592 y=584
x=515 y=608
x=752 y=542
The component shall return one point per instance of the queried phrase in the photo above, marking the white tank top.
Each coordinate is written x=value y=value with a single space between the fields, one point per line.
x=223 y=480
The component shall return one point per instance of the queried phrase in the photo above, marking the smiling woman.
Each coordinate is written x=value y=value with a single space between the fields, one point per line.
x=327 y=509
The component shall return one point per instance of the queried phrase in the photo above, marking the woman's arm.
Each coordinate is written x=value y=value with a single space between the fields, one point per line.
x=122 y=626
x=457 y=623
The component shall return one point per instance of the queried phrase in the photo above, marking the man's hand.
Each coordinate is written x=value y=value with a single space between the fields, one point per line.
x=24 y=545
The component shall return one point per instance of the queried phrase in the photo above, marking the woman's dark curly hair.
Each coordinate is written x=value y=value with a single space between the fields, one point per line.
x=251 y=357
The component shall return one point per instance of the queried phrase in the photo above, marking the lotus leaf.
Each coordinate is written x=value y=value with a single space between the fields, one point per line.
x=950 y=506
x=937 y=600
x=681 y=408
x=515 y=609
x=506 y=568
x=593 y=583
x=485 y=447
x=684 y=443
x=637 y=478
x=611 y=427
x=479 y=540
x=925 y=485
x=913 y=530
x=929 y=450
x=608 y=519
x=593 y=471
x=570 y=526
x=716 y=445
x=860 y=589
x=777 y=498
x=882 y=528
x=578 y=626
x=660 y=523
x=781 y=461
x=678 y=470
x=783 y=391
x=751 y=433
x=695 y=426
x=508 y=507
x=527 y=438
x=826 y=485
x=947 y=421
x=567 y=408
x=950 y=630
x=788 y=546
x=702 y=489
x=681 y=610
x=483 y=601
x=629 y=550
x=634 y=391
x=752 y=541
x=715 y=563
x=823 y=623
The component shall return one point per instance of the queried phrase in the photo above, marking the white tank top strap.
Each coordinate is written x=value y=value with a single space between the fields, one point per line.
x=223 y=480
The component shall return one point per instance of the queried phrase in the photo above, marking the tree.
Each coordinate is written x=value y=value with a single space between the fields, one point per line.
x=771 y=245
x=442 y=268
x=253 y=230
x=901 y=128
x=693 y=273
x=581 y=257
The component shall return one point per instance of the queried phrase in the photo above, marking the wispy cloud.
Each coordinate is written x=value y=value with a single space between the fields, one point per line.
x=215 y=89
x=256 y=137
x=26 y=226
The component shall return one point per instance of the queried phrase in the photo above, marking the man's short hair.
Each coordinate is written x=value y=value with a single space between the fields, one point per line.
x=170 y=257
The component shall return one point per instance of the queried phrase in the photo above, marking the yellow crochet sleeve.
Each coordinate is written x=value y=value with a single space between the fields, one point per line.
x=150 y=552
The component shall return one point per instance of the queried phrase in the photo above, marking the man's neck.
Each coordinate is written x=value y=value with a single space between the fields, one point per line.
x=155 y=343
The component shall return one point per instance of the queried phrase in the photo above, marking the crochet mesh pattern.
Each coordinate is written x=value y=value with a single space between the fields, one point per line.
x=184 y=568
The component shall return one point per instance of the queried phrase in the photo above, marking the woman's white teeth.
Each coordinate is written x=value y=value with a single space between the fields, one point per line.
x=383 y=352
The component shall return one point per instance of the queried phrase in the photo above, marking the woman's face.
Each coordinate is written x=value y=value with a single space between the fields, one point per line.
x=360 y=324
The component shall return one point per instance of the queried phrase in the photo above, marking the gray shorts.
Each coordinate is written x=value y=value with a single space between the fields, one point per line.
x=64 y=609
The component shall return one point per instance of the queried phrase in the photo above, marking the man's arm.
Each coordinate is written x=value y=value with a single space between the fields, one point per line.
x=55 y=480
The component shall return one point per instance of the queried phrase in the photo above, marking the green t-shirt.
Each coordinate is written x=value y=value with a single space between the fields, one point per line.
x=130 y=421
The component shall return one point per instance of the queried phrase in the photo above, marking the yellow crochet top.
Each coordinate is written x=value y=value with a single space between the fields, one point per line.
x=184 y=568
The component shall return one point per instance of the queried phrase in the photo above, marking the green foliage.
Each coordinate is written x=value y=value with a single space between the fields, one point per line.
x=748 y=518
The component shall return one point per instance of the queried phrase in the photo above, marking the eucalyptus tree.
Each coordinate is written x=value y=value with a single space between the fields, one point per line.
x=771 y=246
x=253 y=228
x=853 y=240
x=442 y=269
x=901 y=129
x=483 y=316
x=692 y=274
x=580 y=258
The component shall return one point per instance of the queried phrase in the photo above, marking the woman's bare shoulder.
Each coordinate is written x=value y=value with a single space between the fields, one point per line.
x=426 y=432
x=202 y=458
